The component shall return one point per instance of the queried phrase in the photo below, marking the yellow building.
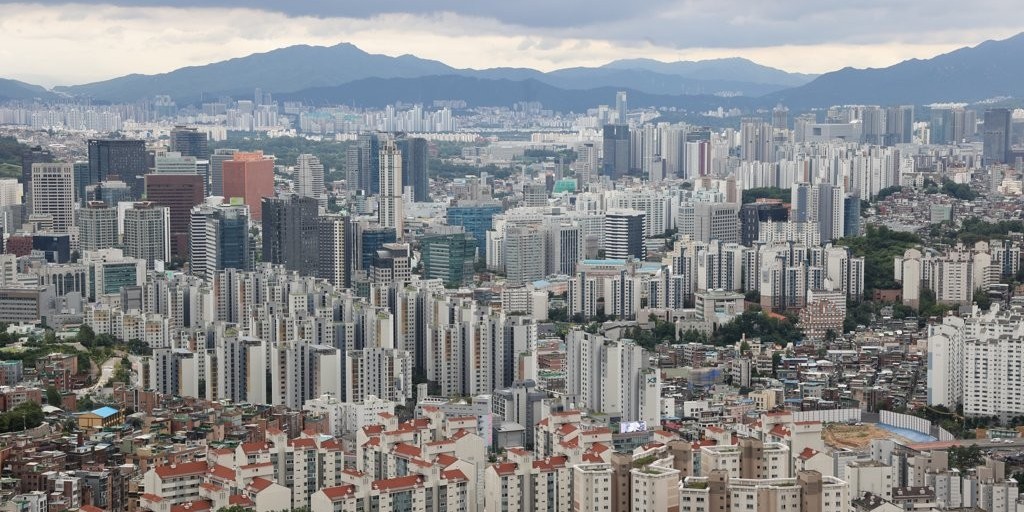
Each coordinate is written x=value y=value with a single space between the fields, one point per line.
x=100 y=418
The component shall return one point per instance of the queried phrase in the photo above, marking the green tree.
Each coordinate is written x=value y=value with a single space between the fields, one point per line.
x=24 y=416
x=52 y=396
x=86 y=336
x=965 y=457
x=982 y=299
x=753 y=194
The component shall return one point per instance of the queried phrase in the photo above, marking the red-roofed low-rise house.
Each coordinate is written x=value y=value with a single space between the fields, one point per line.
x=175 y=483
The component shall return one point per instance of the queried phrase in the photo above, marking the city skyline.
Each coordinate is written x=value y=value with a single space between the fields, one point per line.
x=153 y=37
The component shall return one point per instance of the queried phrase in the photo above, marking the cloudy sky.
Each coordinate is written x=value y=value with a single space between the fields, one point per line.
x=52 y=42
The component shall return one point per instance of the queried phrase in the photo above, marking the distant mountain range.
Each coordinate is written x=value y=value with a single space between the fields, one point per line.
x=988 y=70
x=15 y=90
x=345 y=74
x=295 y=68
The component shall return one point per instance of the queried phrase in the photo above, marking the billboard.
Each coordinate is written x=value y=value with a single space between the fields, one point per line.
x=627 y=427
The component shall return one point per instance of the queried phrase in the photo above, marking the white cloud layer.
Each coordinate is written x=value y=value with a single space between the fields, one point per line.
x=61 y=43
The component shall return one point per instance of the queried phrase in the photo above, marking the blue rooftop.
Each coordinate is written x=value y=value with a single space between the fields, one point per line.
x=105 y=412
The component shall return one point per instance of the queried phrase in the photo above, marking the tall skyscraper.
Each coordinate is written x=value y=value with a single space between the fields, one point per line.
x=147 y=233
x=362 y=162
x=189 y=141
x=586 y=165
x=97 y=226
x=780 y=117
x=34 y=155
x=391 y=213
x=81 y=172
x=220 y=239
x=290 y=232
x=996 y=135
x=249 y=176
x=53 y=194
x=899 y=125
x=616 y=158
x=414 y=168
x=123 y=158
x=621 y=107
x=217 y=160
x=179 y=193
x=309 y=179
x=334 y=261
x=624 y=235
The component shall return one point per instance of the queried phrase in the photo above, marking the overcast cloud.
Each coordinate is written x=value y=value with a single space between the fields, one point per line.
x=52 y=42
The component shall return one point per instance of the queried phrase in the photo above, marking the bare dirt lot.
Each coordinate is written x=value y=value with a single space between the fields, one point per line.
x=841 y=435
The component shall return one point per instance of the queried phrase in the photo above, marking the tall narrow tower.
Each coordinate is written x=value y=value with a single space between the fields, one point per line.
x=391 y=213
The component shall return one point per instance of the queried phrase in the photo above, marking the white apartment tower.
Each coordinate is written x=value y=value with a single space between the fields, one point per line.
x=309 y=178
x=391 y=213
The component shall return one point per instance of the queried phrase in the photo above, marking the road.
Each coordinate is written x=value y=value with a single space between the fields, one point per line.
x=106 y=373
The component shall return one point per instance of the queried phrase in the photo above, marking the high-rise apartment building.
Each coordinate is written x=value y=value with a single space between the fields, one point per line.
x=391 y=212
x=309 y=179
x=756 y=142
x=621 y=107
x=334 y=261
x=147 y=233
x=97 y=226
x=249 y=176
x=290 y=232
x=53 y=194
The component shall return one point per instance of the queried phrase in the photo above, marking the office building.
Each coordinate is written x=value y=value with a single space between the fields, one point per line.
x=172 y=162
x=624 y=235
x=53 y=194
x=996 y=133
x=111 y=192
x=309 y=179
x=125 y=159
x=391 y=210
x=476 y=218
x=217 y=160
x=33 y=155
x=189 y=141
x=81 y=173
x=179 y=193
x=55 y=247
x=616 y=155
x=371 y=238
x=362 y=163
x=219 y=239
x=524 y=255
x=414 y=168
x=147 y=233
x=249 y=176
x=290 y=232
x=97 y=226
x=449 y=258
x=621 y=107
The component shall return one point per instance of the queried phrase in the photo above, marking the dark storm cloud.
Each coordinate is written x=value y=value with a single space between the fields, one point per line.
x=678 y=23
